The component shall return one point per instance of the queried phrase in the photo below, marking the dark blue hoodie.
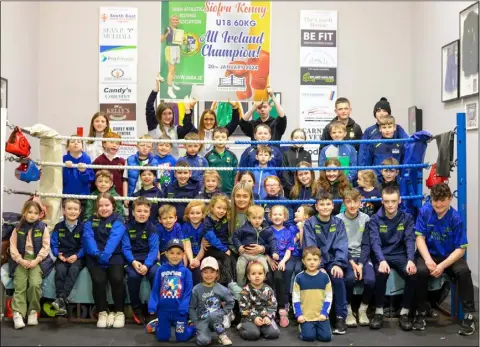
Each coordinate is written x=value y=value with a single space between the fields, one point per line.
x=248 y=235
x=172 y=289
x=74 y=181
x=216 y=233
x=175 y=191
x=249 y=157
x=392 y=237
x=330 y=237
x=140 y=242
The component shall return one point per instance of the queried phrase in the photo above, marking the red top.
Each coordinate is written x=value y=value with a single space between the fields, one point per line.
x=117 y=174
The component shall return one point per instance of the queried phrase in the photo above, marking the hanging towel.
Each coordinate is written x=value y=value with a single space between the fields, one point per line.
x=445 y=144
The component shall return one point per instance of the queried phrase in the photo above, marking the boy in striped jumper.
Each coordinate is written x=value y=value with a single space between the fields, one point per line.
x=312 y=298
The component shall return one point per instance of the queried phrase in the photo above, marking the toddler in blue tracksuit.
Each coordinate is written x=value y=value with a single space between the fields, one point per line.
x=170 y=296
x=328 y=233
x=140 y=249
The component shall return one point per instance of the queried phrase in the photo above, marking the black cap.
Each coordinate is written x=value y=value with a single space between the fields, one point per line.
x=382 y=104
x=175 y=243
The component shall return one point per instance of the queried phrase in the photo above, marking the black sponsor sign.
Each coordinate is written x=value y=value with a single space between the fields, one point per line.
x=318 y=76
x=319 y=38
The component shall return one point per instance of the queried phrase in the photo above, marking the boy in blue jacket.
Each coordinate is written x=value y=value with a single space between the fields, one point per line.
x=381 y=109
x=182 y=187
x=346 y=153
x=167 y=229
x=392 y=240
x=441 y=244
x=378 y=152
x=264 y=161
x=148 y=190
x=67 y=246
x=76 y=180
x=170 y=296
x=193 y=158
x=165 y=160
x=253 y=232
x=140 y=249
x=328 y=233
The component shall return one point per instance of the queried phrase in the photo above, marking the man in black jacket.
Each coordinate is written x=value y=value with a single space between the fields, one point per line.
x=342 y=110
x=277 y=125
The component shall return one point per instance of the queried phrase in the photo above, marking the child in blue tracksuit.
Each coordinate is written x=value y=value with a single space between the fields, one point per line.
x=148 y=190
x=67 y=246
x=392 y=240
x=328 y=233
x=377 y=152
x=344 y=152
x=102 y=237
x=167 y=229
x=381 y=109
x=165 y=160
x=182 y=187
x=192 y=230
x=193 y=158
x=140 y=249
x=264 y=156
x=170 y=296
x=273 y=187
x=144 y=157
x=76 y=180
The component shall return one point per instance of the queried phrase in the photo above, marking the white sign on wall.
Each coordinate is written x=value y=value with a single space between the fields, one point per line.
x=318 y=73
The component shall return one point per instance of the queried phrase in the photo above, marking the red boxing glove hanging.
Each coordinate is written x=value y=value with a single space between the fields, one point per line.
x=18 y=144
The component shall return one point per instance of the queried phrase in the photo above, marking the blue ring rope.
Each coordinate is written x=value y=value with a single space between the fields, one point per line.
x=325 y=168
x=322 y=142
x=312 y=201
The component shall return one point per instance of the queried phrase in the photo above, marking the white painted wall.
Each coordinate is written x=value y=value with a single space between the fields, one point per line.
x=436 y=24
x=19 y=59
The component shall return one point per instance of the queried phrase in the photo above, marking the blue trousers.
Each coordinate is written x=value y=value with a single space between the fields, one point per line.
x=339 y=294
x=292 y=268
x=311 y=331
x=134 y=281
x=167 y=320
x=399 y=263
x=368 y=279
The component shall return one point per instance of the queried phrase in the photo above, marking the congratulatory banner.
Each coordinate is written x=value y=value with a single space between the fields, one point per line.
x=215 y=50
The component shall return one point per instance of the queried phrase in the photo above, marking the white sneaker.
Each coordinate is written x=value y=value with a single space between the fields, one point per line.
x=351 y=321
x=363 y=318
x=102 y=319
x=226 y=321
x=18 y=322
x=175 y=87
x=110 y=319
x=32 y=318
x=119 y=320
x=171 y=93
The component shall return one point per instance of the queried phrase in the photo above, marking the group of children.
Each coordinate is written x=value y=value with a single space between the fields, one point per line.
x=207 y=263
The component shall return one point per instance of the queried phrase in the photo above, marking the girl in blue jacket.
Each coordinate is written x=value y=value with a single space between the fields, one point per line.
x=102 y=236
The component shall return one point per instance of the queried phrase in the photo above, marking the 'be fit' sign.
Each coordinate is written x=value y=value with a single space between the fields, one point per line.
x=319 y=38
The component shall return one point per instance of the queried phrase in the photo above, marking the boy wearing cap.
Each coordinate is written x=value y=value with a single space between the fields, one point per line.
x=170 y=296
x=206 y=311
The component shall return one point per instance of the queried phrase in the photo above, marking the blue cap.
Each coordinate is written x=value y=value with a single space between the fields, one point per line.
x=175 y=243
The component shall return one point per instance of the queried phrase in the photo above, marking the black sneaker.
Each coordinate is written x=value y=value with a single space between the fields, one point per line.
x=138 y=316
x=419 y=323
x=405 y=322
x=377 y=321
x=60 y=306
x=340 y=326
x=468 y=325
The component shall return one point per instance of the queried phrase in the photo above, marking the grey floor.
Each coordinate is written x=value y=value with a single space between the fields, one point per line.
x=62 y=332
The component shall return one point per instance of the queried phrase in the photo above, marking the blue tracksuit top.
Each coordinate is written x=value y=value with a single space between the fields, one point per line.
x=165 y=176
x=260 y=176
x=67 y=242
x=172 y=289
x=102 y=239
x=284 y=240
x=74 y=181
x=372 y=133
x=140 y=242
x=344 y=150
x=330 y=237
x=192 y=234
x=165 y=235
x=174 y=190
x=304 y=194
x=378 y=152
x=442 y=236
x=216 y=233
x=279 y=198
x=153 y=192
x=196 y=161
x=297 y=249
x=392 y=237
x=248 y=235
x=134 y=175
x=248 y=158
